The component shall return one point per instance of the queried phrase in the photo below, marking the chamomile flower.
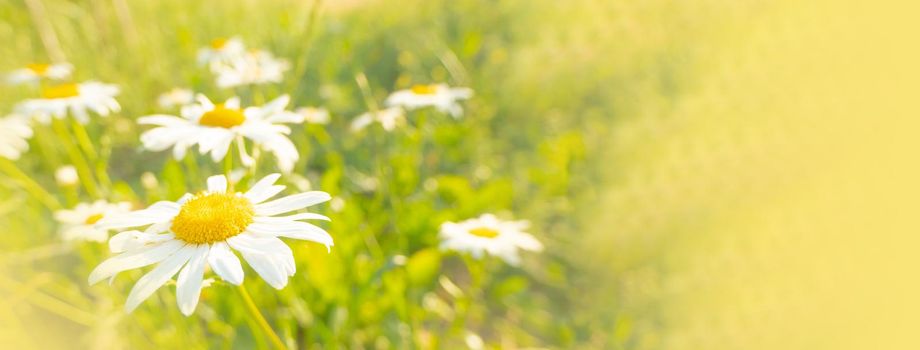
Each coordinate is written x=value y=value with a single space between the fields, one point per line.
x=252 y=68
x=388 y=118
x=78 y=99
x=203 y=230
x=14 y=135
x=176 y=97
x=440 y=96
x=214 y=127
x=314 y=115
x=34 y=72
x=220 y=51
x=79 y=222
x=488 y=234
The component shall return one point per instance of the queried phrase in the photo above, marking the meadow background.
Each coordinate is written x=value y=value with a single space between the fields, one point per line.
x=704 y=174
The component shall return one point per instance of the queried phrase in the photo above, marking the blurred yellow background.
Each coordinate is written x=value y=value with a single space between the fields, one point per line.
x=772 y=203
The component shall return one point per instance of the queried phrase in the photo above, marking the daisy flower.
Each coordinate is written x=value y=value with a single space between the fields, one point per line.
x=221 y=51
x=79 y=222
x=388 y=118
x=14 y=134
x=176 y=98
x=314 y=115
x=203 y=230
x=213 y=127
x=255 y=67
x=79 y=99
x=440 y=96
x=34 y=72
x=488 y=234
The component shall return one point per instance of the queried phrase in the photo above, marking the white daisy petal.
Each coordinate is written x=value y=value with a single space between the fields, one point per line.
x=291 y=203
x=225 y=264
x=295 y=217
x=264 y=189
x=134 y=259
x=154 y=279
x=188 y=284
x=269 y=269
x=292 y=229
x=217 y=183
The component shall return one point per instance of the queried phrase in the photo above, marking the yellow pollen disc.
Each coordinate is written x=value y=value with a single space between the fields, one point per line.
x=218 y=43
x=212 y=217
x=484 y=232
x=61 y=91
x=38 y=68
x=424 y=89
x=92 y=219
x=222 y=117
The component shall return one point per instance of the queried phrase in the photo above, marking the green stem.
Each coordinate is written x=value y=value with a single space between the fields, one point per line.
x=84 y=141
x=257 y=315
x=228 y=168
x=30 y=185
x=83 y=169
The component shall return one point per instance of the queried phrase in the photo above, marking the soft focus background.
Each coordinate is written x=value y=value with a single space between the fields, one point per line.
x=705 y=174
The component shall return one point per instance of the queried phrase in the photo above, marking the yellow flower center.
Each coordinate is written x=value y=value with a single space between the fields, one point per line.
x=222 y=117
x=484 y=232
x=212 y=217
x=61 y=91
x=38 y=68
x=92 y=219
x=424 y=89
x=218 y=43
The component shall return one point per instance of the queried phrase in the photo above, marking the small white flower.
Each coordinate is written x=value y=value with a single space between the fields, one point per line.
x=440 y=96
x=202 y=230
x=388 y=118
x=14 y=135
x=66 y=175
x=314 y=115
x=220 y=51
x=35 y=72
x=79 y=222
x=176 y=98
x=213 y=127
x=255 y=67
x=78 y=99
x=488 y=234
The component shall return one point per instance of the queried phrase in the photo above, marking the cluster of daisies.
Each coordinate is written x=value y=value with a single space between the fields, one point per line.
x=210 y=230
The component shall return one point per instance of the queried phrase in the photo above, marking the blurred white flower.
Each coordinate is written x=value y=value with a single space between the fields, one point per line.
x=440 y=96
x=213 y=127
x=488 y=234
x=220 y=51
x=14 y=135
x=388 y=118
x=176 y=97
x=79 y=223
x=254 y=67
x=198 y=231
x=473 y=341
x=35 y=72
x=149 y=181
x=314 y=115
x=66 y=175
x=337 y=204
x=78 y=99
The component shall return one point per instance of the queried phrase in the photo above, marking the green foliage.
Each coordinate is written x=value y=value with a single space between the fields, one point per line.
x=385 y=284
